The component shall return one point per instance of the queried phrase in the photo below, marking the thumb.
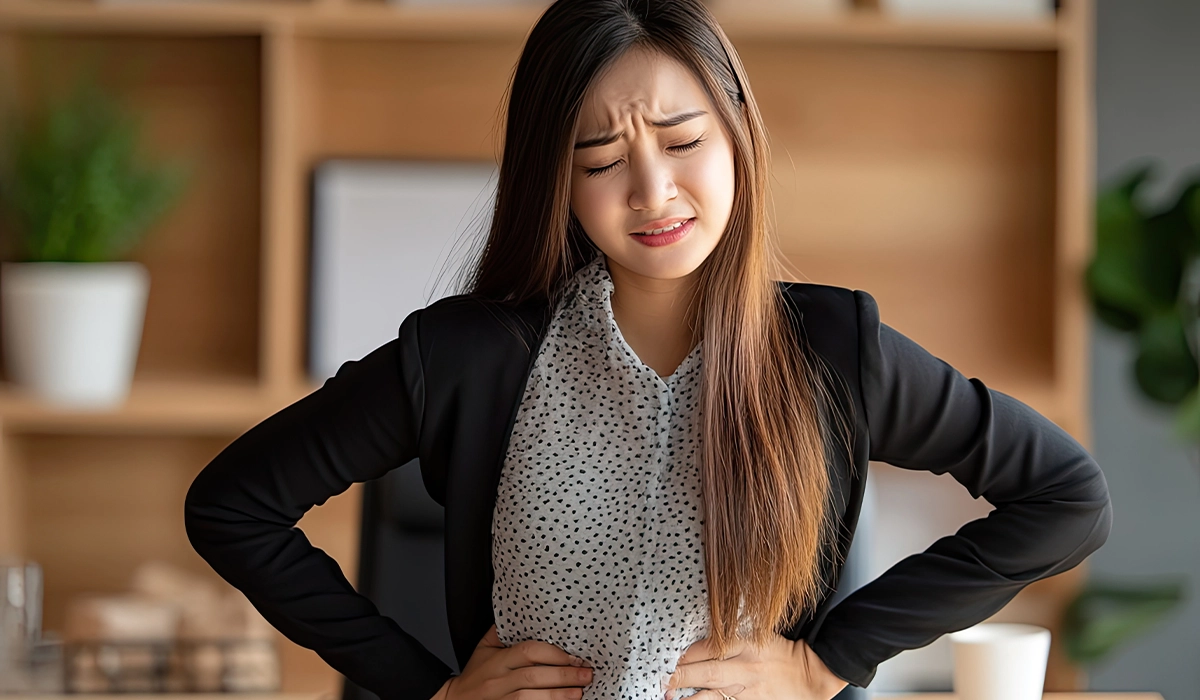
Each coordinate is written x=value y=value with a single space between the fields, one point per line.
x=491 y=638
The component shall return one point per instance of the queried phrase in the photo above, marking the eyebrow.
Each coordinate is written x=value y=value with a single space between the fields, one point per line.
x=673 y=120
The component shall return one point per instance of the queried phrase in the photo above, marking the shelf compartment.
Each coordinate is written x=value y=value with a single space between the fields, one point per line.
x=198 y=99
x=94 y=507
x=944 y=209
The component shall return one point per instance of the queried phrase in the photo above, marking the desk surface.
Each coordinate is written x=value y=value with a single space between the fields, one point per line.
x=326 y=696
x=180 y=696
x=1047 y=696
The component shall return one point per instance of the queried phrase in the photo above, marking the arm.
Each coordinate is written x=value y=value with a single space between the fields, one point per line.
x=242 y=509
x=1051 y=501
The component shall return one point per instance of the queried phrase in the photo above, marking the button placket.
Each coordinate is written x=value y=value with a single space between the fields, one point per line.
x=652 y=523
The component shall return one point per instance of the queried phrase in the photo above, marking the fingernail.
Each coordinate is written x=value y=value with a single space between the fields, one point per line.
x=576 y=661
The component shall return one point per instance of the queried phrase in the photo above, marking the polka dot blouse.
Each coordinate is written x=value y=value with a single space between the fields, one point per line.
x=596 y=533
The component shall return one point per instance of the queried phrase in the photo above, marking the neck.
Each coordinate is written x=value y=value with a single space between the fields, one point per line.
x=654 y=309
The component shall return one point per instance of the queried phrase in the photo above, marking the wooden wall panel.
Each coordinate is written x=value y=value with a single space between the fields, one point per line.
x=413 y=99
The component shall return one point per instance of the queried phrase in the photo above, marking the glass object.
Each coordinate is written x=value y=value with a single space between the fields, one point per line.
x=28 y=663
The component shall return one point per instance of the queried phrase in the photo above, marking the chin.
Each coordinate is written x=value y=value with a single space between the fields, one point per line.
x=666 y=263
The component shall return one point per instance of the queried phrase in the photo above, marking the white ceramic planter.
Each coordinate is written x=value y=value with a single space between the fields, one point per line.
x=72 y=330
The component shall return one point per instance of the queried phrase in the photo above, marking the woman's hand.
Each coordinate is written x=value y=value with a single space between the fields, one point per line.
x=495 y=671
x=781 y=669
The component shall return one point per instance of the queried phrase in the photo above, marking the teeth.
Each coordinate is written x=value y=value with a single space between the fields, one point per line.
x=657 y=231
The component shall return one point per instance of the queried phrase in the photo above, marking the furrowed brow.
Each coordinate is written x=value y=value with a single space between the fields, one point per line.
x=673 y=120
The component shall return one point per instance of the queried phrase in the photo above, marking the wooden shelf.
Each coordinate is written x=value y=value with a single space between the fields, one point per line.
x=236 y=18
x=870 y=27
x=1046 y=696
x=316 y=696
x=181 y=696
x=184 y=407
x=506 y=23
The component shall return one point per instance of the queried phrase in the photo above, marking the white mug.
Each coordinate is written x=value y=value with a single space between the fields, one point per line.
x=1000 y=661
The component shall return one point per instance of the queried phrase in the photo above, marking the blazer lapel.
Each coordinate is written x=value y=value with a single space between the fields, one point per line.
x=476 y=367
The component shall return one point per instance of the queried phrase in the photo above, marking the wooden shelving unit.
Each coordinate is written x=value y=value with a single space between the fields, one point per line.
x=942 y=166
x=376 y=19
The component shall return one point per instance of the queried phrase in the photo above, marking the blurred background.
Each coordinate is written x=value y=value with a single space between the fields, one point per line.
x=202 y=200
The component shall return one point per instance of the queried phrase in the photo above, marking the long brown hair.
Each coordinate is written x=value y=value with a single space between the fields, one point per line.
x=766 y=487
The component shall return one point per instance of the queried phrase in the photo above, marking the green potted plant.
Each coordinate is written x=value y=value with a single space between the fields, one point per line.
x=74 y=194
x=1143 y=280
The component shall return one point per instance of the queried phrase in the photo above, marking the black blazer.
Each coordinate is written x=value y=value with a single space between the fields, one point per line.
x=446 y=391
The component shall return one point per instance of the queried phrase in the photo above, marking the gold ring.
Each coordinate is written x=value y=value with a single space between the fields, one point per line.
x=727 y=697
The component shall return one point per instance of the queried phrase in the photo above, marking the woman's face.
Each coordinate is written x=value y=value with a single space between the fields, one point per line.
x=643 y=174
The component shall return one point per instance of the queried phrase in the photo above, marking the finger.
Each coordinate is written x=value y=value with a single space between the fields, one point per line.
x=700 y=651
x=700 y=674
x=709 y=694
x=532 y=651
x=535 y=677
x=703 y=651
x=543 y=653
x=491 y=638
x=715 y=693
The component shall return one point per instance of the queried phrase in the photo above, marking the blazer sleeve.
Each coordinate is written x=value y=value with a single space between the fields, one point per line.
x=1052 y=506
x=240 y=514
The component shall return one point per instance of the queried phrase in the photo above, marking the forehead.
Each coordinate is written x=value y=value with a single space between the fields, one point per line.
x=643 y=82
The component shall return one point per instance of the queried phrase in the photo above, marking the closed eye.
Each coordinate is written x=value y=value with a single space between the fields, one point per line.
x=684 y=148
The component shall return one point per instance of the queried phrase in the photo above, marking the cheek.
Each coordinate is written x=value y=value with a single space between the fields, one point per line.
x=593 y=203
x=712 y=176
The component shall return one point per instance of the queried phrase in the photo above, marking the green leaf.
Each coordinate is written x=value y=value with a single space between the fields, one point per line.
x=1114 y=280
x=1165 y=368
x=1165 y=250
x=1137 y=176
x=1194 y=212
x=1105 y=616
x=1189 y=205
x=1187 y=419
x=1118 y=319
x=1122 y=271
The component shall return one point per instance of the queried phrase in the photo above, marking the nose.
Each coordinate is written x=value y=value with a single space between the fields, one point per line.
x=652 y=184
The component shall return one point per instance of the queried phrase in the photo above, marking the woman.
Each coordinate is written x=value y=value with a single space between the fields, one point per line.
x=651 y=454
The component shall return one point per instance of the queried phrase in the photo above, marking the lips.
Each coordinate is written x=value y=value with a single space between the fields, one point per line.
x=660 y=223
x=666 y=238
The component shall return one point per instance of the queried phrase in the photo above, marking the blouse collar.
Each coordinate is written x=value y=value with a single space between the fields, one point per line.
x=593 y=281
x=592 y=287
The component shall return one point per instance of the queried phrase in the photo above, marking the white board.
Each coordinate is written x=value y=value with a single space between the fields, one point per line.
x=388 y=237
